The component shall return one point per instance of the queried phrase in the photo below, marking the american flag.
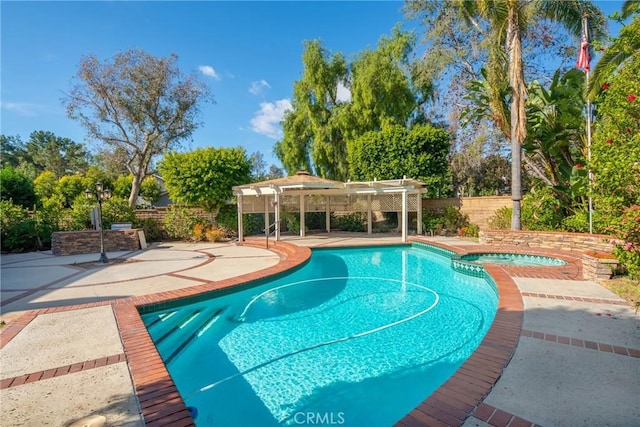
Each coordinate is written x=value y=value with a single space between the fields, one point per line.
x=583 y=55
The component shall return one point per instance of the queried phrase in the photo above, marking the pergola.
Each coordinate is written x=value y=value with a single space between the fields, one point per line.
x=306 y=193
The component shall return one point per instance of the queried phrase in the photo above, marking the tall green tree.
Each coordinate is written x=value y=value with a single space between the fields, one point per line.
x=504 y=25
x=205 y=177
x=12 y=151
x=57 y=154
x=395 y=151
x=336 y=101
x=315 y=129
x=138 y=104
x=259 y=171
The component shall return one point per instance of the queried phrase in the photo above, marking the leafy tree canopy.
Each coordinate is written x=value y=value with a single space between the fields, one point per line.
x=419 y=153
x=621 y=49
x=150 y=189
x=335 y=102
x=259 y=170
x=17 y=187
x=45 y=184
x=44 y=151
x=138 y=105
x=205 y=177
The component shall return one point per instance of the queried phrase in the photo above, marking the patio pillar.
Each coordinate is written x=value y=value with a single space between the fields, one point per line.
x=240 y=233
x=327 y=218
x=302 y=215
x=369 y=225
x=277 y=219
x=266 y=216
x=419 y=213
x=405 y=216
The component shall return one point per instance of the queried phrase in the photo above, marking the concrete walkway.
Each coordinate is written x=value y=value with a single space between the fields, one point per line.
x=577 y=361
x=69 y=366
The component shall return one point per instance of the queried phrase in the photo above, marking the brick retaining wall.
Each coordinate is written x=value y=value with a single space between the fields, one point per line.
x=579 y=242
x=87 y=242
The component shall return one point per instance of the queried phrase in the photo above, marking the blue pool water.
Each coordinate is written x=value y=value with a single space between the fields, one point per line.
x=521 y=260
x=357 y=336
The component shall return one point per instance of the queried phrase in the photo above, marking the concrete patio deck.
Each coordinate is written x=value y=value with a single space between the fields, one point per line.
x=64 y=354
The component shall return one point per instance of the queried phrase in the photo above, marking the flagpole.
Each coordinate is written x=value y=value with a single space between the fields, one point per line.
x=585 y=29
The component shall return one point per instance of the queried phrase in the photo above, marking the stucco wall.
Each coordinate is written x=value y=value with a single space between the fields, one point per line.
x=479 y=209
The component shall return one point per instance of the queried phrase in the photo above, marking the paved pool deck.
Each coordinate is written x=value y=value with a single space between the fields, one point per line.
x=562 y=351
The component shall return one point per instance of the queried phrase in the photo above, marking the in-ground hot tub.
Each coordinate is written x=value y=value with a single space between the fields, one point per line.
x=521 y=260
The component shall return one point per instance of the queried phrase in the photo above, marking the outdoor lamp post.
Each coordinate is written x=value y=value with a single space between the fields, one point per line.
x=101 y=194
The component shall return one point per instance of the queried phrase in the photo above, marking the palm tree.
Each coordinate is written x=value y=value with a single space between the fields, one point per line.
x=508 y=21
x=622 y=49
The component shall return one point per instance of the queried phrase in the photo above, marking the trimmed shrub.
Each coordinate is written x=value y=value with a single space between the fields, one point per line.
x=18 y=231
x=448 y=219
x=227 y=219
x=541 y=210
x=180 y=221
x=354 y=221
x=152 y=230
x=501 y=219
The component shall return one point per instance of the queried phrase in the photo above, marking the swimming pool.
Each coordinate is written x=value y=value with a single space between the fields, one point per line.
x=358 y=336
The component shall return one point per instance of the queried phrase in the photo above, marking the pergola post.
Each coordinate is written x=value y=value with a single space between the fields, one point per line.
x=277 y=214
x=302 y=226
x=327 y=218
x=405 y=216
x=419 y=213
x=266 y=216
x=369 y=225
x=240 y=233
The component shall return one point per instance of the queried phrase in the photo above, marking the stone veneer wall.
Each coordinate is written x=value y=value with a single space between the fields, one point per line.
x=86 y=242
x=596 y=267
x=548 y=240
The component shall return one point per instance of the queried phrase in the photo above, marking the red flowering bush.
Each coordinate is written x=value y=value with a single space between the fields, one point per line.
x=616 y=167
x=629 y=231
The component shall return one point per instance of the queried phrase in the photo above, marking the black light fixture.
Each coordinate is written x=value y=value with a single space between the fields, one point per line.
x=101 y=194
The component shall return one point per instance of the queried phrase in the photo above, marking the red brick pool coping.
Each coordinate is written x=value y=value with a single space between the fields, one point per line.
x=458 y=398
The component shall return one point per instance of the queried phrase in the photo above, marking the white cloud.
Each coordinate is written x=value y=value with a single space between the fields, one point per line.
x=257 y=86
x=267 y=119
x=208 y=70
x=22 y=108
x=343 y=93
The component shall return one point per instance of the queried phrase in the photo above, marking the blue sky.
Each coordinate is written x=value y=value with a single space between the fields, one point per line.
x=249 y=53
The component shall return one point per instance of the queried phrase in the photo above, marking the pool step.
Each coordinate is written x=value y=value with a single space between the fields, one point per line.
x=196 y=333
x=170 y=322
x=177 y=334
